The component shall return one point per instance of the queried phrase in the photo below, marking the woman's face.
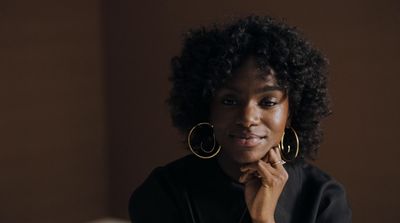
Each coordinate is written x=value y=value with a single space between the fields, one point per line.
x=249 y=114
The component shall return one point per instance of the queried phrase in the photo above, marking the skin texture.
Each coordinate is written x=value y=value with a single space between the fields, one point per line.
x=211 y=55
x=249 y=114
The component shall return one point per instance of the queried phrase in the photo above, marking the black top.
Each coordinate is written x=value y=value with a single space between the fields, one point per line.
x=192 y=190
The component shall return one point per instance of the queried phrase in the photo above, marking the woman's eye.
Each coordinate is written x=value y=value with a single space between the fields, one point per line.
x=229 y=101
x=267 y=102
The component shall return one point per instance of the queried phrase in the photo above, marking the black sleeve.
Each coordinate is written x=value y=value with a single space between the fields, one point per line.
x=153 y=201
x=334 y=206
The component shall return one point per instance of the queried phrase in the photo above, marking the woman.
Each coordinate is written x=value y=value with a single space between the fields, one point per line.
x=249 y=96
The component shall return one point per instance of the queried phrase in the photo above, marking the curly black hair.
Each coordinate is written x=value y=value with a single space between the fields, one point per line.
x=210 y=56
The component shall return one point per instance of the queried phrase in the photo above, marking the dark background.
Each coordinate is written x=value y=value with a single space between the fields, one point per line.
x=83 y=88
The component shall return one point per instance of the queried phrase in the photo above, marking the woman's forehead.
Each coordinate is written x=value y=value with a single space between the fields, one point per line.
x=252 y=73
x=252 y=81
x=254 y=69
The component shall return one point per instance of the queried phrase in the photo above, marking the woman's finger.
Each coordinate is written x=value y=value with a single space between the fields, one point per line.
x=264 y=170
x=278 y=165
x=275 y=159
x=254 y=167
x=247 y=174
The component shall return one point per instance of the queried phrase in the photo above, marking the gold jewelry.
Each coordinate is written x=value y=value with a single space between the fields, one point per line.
x=199 y=143
x=287 y=152
x=264 y=185
x=278 y=162
x=256 y=174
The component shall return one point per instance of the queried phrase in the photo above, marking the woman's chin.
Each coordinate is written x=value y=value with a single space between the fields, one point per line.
x=247 y=157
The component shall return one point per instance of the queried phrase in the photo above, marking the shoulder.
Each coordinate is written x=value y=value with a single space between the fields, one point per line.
x=306 y=174
x=168 y=176
x=164 y=187
x=317 y=180
x=322 y=191
x=173 y=172
x=313 y=174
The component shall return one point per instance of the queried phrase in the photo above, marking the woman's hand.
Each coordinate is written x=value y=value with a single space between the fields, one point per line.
x=264 y=182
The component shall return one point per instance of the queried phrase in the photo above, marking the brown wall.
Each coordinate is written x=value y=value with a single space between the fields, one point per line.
x=360 y=38
x=52 y=118
x=82 y=125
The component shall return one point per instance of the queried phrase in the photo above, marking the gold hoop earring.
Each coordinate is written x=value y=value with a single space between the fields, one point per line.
x=203 y=143
x=287 y=152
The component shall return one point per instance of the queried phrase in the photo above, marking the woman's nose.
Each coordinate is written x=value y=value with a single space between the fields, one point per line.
x=249 y=115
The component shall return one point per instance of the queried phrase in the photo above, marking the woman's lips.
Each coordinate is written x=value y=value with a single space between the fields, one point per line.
x=250 y=140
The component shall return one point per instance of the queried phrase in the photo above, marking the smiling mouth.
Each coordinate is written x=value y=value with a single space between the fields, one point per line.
x=247 y=140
